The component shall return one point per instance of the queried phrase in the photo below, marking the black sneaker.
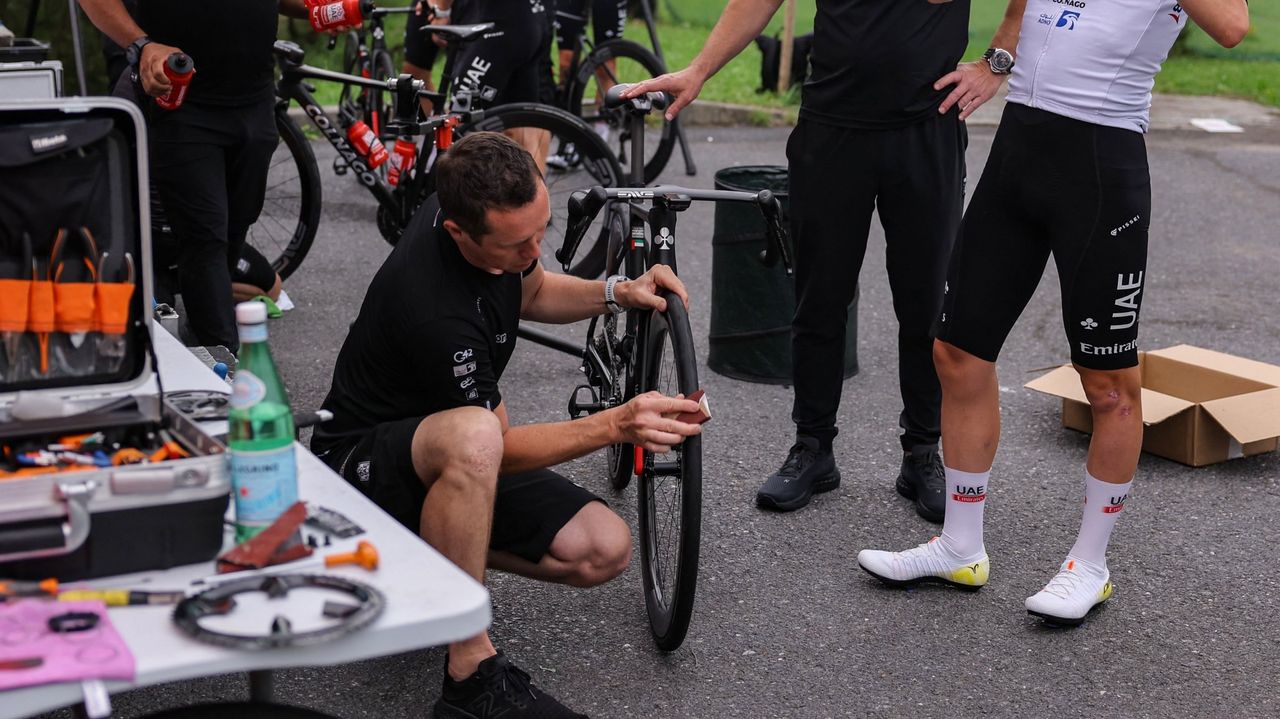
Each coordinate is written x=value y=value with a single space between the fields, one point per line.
x=498 y=689
x=807 y=471
x=923 y=480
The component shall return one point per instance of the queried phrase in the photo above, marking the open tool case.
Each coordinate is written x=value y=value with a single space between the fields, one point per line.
x=98 y=475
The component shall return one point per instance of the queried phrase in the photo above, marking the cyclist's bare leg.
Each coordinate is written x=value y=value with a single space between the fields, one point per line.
x=537 y=141
x=594 y=547
x=1115 y=398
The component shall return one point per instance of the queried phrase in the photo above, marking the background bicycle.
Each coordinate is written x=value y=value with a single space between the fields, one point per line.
x=291 y=212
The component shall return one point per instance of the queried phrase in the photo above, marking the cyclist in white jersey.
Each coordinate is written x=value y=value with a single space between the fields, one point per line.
x=1078 y=104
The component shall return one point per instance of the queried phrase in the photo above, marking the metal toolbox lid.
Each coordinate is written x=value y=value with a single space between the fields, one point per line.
x=128 y=119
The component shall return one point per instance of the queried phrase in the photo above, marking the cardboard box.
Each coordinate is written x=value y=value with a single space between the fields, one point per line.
x=1198 y=406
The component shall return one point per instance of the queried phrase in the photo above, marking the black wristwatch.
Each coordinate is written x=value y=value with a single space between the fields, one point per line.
x=133 y=53
x=1000 y=60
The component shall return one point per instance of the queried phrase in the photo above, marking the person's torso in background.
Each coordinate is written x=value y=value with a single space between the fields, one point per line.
x=1094 y=60
x=874 y=62
x=229 y=41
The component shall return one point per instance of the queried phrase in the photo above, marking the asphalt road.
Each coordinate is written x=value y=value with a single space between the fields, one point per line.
x=785 y=624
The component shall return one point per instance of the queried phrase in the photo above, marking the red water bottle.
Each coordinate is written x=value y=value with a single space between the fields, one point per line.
x=178 y=68
x=329 y=15
x=366 y=142
x=403 y=155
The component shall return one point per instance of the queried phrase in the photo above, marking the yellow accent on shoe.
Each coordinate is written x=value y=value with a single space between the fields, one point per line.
x=972 y=575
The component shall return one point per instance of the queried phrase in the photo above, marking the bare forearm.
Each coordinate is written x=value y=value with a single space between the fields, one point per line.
x=1006 y=36
x=563 y=299
x=535 y=446
x=739 y=24
x=1226 y=21
x=111 y=17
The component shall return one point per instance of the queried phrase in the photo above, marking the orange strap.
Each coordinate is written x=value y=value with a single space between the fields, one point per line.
x=73 y=306
x=40 y=313
x=15 y=295
x=113 y=307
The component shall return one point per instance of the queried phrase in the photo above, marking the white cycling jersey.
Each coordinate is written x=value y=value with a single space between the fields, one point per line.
x=1094 y=60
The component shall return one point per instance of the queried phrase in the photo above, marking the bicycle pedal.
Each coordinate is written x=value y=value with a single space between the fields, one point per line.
x=339 y=167
x=581 y=409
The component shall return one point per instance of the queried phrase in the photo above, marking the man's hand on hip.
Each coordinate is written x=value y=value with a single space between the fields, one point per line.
x=151 y=68
x=642 y=292
x=648 y=420
x=975 y=84
x=683 y=86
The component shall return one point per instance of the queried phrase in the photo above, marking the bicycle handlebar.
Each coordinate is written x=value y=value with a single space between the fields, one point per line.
x=584 y=205
x=641 y=105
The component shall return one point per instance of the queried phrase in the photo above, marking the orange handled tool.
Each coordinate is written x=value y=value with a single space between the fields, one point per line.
x=366 y=555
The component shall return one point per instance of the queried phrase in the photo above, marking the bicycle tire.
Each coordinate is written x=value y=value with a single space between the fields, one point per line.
x=383 y=68
x=597 y=163
x=578 y=84
x=670 y=608
x=286 y=227
x=350 y=66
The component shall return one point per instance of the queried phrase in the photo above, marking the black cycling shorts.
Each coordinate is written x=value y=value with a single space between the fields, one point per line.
x=528 y=512
x=1054 y=185
x=608 y=21
x=512 y=64
x=419 y=49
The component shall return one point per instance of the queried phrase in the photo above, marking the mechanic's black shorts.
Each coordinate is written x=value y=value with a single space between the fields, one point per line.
x=1073 y=189
x=529 y=510
x=513 y=63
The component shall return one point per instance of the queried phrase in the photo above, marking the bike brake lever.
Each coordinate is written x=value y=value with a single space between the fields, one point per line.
x=583 y=208
x=776 y=248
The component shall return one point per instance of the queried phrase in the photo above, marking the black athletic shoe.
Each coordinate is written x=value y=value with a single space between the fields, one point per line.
x=498 y=689
x=808 y=470
x=923 y=480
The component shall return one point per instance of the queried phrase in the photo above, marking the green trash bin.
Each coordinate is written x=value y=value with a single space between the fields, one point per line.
x=752 y=305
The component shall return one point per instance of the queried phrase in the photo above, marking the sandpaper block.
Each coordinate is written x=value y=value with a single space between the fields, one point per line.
x=704 y=410
x=277 y=544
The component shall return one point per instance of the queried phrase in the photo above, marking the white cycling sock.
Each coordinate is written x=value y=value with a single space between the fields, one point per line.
x=1103 y=502
x=966 y=498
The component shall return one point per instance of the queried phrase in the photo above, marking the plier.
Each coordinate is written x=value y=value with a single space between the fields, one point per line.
x=17 y=295
x=113 y=305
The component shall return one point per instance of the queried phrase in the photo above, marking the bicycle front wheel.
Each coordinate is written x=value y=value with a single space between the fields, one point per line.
x=670 y=486
x=290 y=213
x=578 y=159
x=610 y=63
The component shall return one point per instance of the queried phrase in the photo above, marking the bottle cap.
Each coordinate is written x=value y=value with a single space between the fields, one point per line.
x=251 y=313
x=180 y=63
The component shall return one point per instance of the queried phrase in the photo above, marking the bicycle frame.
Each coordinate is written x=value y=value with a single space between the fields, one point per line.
x=398 y=200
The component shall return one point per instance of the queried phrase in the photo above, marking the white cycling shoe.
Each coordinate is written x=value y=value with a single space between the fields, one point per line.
x=1074 y=591
x=929 y=562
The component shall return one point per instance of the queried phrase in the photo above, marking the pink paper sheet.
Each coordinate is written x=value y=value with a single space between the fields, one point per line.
x=98 y=653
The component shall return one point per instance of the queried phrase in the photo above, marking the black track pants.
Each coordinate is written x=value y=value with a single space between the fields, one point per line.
x=915 y=176
x=209 y=165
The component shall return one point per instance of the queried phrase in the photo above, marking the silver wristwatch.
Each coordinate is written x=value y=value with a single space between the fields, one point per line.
x=609 y=300
x=999 y=59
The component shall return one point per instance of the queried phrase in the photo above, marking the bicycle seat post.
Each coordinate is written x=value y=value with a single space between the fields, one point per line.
x=636 y=109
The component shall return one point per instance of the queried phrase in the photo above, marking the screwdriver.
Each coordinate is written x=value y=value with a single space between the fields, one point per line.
x=49 y=589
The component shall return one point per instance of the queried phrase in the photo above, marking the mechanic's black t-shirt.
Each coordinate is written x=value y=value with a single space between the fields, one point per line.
x=434 y=333
x=229 y=41
x=874 y=62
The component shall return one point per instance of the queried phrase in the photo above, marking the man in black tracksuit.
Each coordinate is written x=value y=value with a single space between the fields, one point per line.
x=870 y=136
x=209 y=158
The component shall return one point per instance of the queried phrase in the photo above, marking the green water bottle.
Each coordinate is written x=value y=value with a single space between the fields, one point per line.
x=264 y=470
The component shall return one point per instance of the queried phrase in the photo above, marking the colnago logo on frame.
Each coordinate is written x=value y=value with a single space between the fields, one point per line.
x=977 y=493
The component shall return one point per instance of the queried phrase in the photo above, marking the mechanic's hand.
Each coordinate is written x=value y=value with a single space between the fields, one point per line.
x=683 y=86
x=151 y=68
x=438 y=39
x=642 y=292
x=646 y=421
x=975 y=84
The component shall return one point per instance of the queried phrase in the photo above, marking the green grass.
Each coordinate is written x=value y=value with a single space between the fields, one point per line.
x=1199 y=67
